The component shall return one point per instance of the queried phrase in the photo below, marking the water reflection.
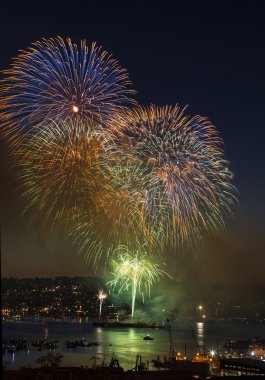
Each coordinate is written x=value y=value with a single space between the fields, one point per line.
x=46 y=332
x=6 y=357
x=124 y=343
x=200 y=336
x=98 y=331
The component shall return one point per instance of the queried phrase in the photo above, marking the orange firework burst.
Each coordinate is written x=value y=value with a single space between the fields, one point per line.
x=59 y=170
x=118 y=215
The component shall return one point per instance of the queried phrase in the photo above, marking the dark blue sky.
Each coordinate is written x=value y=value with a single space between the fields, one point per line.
x=208 y=54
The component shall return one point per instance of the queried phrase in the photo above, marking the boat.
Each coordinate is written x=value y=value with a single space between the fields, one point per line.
x=180 y=365
x=79 y=343
x=44 y=344
x=147 y=337
x=13 y=345
x=233 y=344
x=70 y=344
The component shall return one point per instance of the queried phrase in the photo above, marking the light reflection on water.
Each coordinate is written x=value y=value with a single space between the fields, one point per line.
x=200 y=335
x=46 y=332
x=125 y=343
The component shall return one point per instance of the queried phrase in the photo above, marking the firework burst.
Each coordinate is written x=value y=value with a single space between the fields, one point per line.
x=101 y=297
x=191 y=187
x=113 y=175
x=55 y=79
x=117 y=218
x=59 y=170
x=133 y=270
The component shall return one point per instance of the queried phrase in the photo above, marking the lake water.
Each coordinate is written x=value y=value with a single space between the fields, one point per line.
x=125 y=343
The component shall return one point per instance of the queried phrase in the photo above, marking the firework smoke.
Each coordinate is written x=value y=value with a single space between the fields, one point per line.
x=133 y=270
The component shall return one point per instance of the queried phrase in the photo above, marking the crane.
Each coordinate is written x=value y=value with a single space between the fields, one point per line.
x=172 y=351
x=194 y=335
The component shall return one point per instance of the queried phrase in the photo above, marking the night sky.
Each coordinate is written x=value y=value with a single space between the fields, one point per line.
x=209 y=55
